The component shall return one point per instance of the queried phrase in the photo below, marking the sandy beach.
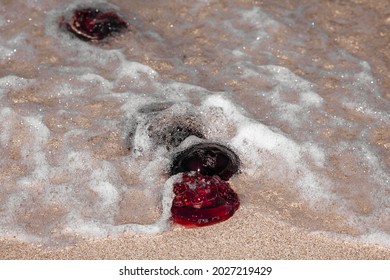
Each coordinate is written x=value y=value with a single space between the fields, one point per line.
x=249 y=235
x=252 y=233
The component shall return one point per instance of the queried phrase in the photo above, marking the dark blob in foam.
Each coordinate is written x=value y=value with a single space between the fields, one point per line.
x=173 y=134
x=170 y=129
x=208 y=159
x=92 y=24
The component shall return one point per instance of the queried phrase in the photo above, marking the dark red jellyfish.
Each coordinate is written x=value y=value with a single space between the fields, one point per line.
x=202 y=200
x=92 y=24
x=203 y=196
x=208 y=159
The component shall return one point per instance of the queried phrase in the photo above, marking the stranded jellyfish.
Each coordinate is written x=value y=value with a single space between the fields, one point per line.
x=202 y=200
x=203 y=197
x=93 y=24
x=208 y=159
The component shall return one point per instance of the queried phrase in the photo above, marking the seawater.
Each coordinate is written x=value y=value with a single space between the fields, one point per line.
x=307 y=119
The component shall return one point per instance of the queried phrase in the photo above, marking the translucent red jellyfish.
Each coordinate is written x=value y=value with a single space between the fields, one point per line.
x=202 y=200
x=203 y=197
x=92 y=24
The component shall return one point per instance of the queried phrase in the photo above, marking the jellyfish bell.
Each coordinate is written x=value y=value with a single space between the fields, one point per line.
x=93 y=24
x=202 y=200
x=207 y=159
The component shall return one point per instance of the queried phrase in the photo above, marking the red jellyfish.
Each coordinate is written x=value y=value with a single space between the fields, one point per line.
x=204 y=197
x=202 y=200
x=92 y=24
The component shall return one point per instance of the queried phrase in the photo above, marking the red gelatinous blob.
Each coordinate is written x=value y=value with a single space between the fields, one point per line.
x=94 y=25
x=202 y=200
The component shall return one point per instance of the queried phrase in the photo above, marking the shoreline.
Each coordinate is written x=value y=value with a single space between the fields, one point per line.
x=247 y=235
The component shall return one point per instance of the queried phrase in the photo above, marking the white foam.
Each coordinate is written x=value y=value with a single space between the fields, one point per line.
x=134 y=71
x=14 y=82
x=5 y=116
x=6 y=53
x=310 y=99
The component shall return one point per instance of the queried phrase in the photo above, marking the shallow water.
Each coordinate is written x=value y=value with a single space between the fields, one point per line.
x=307 y=114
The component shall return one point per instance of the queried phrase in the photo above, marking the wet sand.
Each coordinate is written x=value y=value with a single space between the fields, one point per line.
x=249 y=234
